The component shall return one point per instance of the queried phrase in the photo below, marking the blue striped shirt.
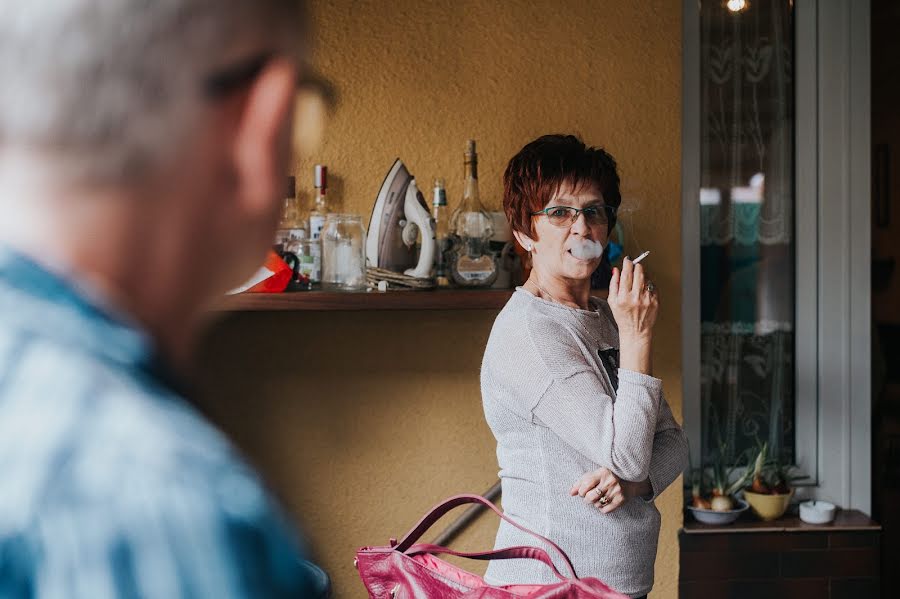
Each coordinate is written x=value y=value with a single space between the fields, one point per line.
x=113 y=485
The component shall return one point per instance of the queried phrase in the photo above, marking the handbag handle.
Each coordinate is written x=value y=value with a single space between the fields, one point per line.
x=457 y=500
x=519 y=552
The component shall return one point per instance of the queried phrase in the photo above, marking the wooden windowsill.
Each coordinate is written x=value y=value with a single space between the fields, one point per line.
x=845 y=520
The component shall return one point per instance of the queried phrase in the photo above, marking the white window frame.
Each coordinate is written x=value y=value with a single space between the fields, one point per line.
x=832 y=240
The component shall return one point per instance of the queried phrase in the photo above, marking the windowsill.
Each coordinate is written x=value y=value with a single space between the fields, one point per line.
x=845 y=520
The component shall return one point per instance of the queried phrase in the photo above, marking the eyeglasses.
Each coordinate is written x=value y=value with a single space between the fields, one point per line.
x=564 y=216
x=315 y=96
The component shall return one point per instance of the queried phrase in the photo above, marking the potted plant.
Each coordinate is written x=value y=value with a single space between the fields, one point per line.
x=770 y=491
x=719 y=506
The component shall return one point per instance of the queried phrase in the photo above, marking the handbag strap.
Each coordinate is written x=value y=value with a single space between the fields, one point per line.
x=520 y=552
x=457 y=500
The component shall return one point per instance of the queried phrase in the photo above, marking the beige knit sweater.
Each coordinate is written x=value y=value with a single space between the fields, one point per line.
x=553 y=408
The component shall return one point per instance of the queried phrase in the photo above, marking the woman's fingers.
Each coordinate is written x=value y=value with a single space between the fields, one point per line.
x=614 y=283
x=591 y=480
x=587 y=487
x=584 y=484
x=633 y=306
x=599 y=487
x=613 y=505
x=626 y=277
x=637 y=280
x=614 y=497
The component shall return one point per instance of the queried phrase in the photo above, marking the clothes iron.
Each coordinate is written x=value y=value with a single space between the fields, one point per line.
x=399 y=215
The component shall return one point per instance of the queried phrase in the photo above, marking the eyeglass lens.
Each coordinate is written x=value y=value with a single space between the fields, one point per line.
x=564 y=215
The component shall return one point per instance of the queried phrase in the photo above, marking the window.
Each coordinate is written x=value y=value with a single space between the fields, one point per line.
x=747 y=251
x=776 y=224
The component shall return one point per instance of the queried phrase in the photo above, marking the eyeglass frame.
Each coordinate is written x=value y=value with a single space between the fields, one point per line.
x=609 y=210
x=230 y=79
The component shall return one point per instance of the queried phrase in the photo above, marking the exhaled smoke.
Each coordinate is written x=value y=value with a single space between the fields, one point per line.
x=586 y=249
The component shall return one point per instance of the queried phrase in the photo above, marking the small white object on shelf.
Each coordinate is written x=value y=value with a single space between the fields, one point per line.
x=817 y=512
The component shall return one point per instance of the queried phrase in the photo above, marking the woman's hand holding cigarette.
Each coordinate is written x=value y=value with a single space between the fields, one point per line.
x=634 y=303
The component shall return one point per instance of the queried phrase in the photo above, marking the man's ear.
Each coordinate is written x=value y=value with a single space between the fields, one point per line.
x=263 y=137
x=524 y=240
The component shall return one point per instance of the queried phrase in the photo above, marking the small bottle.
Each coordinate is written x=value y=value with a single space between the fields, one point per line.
x=441 y=233
x=320 y=206
x=291 y=227
x=472 y=263
x=309 y=268
x=317 y=216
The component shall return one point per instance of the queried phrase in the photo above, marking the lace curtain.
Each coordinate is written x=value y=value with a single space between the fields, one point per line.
x=748 y=105
x=747 y=226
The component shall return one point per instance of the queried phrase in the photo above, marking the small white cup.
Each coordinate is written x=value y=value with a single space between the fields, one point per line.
x=817 y=512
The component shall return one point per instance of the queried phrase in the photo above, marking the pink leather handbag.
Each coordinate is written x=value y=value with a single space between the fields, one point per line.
x=408 y=570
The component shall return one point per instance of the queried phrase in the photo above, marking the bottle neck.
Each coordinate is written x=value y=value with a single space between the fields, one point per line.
x=440 y=198
x=471 y=200
x=320 y=199
x=471 y=167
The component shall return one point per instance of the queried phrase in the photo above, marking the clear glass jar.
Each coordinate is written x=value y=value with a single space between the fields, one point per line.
x=343 y=253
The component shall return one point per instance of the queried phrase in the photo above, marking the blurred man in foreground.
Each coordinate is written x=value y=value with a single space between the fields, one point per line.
x=143 y=147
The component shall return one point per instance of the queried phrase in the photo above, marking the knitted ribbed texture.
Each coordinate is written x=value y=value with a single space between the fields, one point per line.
x=555 y=415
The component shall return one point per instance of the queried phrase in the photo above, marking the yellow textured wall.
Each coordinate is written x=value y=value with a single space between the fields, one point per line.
x=363 y=420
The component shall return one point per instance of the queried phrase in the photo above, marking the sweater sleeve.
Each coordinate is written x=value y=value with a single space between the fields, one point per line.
x=578 y=406
x=670 y=451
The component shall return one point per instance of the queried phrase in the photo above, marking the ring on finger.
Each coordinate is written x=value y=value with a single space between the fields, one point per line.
x=604 y=501
x=650 y=287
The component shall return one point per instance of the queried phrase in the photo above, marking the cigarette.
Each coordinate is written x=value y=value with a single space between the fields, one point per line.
x=641 y=257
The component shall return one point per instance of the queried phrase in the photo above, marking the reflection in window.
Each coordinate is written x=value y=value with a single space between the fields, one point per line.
x=747 y=230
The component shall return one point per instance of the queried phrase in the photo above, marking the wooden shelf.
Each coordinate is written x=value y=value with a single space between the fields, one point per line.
x=440 y=299
x=845 y=520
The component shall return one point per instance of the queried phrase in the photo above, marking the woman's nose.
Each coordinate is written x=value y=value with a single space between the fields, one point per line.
x=579 y=225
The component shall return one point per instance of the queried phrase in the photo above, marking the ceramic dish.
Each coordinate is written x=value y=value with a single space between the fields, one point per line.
x=816 y=512
x=768 y=507
x=713 y=517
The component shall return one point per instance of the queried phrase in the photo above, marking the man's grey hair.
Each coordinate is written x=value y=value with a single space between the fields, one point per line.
x=109 y=89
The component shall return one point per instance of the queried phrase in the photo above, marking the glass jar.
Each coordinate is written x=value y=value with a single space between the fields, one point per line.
x=343 y=253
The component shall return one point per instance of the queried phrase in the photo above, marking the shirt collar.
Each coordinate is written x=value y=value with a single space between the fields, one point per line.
x=45 y=304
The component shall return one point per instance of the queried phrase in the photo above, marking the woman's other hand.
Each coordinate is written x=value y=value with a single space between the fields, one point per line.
x=600 y=487
x=634 y=304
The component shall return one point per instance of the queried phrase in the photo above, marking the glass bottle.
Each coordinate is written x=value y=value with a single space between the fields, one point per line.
x=309 y=258
x=442 y=238
x=291 y=227
x=472 y=263
x=343 y=253
x=317 y=216
x=320 y=206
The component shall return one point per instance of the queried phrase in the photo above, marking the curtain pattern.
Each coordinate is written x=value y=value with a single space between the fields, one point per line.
x=747 y=226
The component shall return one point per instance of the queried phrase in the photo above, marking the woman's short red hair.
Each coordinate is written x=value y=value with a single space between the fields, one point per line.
x=536 y=173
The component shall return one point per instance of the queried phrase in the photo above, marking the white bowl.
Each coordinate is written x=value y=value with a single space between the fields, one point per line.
x=817 y=512
x=714 y=517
